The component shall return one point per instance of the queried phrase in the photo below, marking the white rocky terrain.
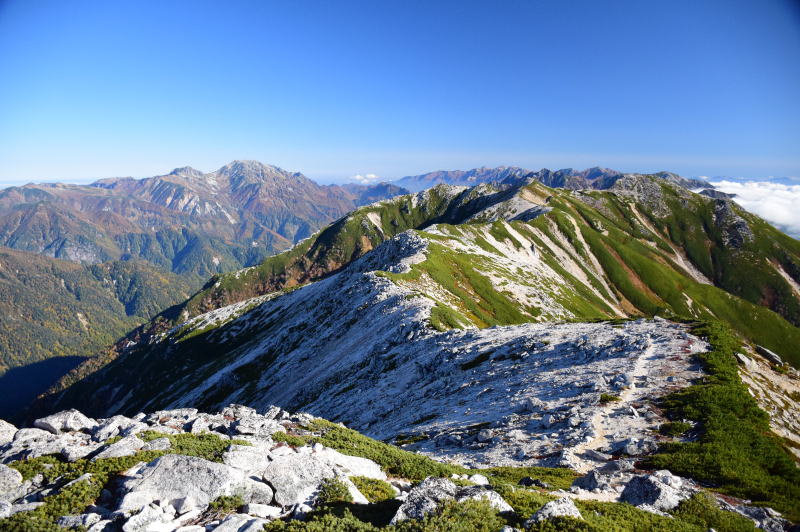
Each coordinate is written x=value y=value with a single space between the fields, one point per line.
x=508 y=395
x=171 y=488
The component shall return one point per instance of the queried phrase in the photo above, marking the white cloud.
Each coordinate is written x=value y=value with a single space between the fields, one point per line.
x=365 y=179
x=777 y=203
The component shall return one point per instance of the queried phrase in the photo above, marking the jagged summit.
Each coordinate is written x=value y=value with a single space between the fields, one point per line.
x=186 y=171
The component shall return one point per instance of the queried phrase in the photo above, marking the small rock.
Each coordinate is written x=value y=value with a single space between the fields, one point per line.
x=479 y=493
x=597 y=455
x=745 y=360
x=144 y=520
x=75 y=521
x=479 y=479
x=533 y=482
x=263 y=511
x=5 y=509
x=240 y=523
x=484 y=435
x=159 y=444
x=25 y=507
x=769 y=355
x=531 y=404
x=563 y=507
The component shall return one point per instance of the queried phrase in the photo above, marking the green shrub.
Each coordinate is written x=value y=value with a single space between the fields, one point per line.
x=226 y=504
x=373 y=489
x=735 y=452
x=674 y=428
x=702 y=510
x=393 y=460
x=608 y=398
x=294 y=441
x=333 y=490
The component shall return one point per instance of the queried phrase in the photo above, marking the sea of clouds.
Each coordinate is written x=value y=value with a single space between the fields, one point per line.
x=778 y=203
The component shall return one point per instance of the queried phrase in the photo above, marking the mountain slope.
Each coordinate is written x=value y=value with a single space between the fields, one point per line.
x=186 y=222
x=53 y=308
x=585 y=256
x=631 y=245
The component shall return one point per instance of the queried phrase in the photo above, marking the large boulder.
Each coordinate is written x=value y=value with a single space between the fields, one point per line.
x=661 y=491
x=424 y=498
x=127 y=446
x=66 y=421
x=7 y=431
x=296 y=478
x=563 y=507
x=173 y=477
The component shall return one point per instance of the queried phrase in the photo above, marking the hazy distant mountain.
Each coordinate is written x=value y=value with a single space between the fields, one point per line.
x=466 y=178
x=595 y=177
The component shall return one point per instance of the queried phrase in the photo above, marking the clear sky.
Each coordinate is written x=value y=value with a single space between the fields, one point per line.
x=334 y=89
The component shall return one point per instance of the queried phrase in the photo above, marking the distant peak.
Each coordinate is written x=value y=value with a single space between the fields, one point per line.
x=186 y=171
x=254 y=170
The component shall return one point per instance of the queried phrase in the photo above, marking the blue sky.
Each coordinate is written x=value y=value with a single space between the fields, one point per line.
x=334 y=89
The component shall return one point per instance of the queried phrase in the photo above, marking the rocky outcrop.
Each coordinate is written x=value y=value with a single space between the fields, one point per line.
x=426 y=497
x=661 y=491
x=66 y=421
x=735 y=230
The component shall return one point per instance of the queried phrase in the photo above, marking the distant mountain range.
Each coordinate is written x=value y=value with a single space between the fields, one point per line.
x=186 y=222
x=595 y=178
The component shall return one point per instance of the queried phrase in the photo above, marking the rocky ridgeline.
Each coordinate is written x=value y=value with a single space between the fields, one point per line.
x=268 y=478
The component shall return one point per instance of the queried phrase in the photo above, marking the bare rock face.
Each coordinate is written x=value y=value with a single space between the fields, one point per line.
x=563 y=507
x=7 y=431
x=10 y=480
x=173 y=477
x=735 y=229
